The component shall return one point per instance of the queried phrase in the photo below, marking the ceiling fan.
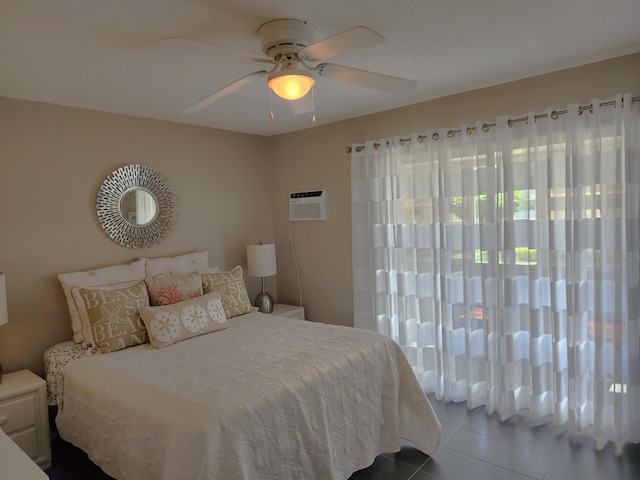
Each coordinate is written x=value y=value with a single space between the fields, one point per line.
x=295 y=59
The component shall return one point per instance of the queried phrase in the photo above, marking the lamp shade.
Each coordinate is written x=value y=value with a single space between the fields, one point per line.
x=261 y=260
x=4 y=314
x=291 y=84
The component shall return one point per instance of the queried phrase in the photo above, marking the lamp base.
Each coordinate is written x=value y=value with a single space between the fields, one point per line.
x=264 y=302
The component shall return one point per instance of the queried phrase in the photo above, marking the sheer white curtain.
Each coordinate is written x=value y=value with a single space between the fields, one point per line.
x=505 y=260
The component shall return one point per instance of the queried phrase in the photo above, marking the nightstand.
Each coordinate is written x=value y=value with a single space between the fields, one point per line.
x=24 y=416
x=289 y=311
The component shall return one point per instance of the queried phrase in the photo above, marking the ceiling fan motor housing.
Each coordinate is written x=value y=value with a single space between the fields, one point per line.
x=285 y=36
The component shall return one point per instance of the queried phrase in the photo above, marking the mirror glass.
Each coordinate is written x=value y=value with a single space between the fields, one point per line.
x=136 y=206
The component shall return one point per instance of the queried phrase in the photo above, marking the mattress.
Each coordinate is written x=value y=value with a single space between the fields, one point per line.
x=266 y=398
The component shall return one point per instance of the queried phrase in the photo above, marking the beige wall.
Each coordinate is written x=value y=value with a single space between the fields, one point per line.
x=232 y=193
x=53 y=160
x=316 y=158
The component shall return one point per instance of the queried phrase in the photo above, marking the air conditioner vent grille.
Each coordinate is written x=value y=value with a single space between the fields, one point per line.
x=307 y=206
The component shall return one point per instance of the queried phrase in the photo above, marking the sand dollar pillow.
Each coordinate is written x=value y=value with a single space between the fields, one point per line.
x=233 y=292
x=114 y=316
x=169 y=324
x=169 y=289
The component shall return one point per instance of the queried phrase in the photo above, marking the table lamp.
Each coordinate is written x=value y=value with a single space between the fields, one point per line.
x=261 y=260
x=4 y=315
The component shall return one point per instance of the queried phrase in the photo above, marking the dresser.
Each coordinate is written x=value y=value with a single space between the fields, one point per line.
x=24 y=417
x=289 y=311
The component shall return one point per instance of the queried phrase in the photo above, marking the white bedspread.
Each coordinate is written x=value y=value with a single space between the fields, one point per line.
x=265 y=398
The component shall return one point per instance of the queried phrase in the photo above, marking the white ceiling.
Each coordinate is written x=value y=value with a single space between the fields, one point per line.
x=107 y=55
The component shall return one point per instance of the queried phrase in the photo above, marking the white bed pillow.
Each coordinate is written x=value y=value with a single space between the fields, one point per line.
x=178 y=264
x=169 y=324
x=209 y=270
x=111 y=275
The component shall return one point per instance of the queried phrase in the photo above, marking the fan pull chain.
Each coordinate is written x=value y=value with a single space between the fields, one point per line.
x=271 y=115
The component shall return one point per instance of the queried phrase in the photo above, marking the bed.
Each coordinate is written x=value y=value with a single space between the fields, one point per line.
x=265 y=397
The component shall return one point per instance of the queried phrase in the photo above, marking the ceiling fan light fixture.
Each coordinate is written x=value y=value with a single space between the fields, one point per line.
x=291 y=84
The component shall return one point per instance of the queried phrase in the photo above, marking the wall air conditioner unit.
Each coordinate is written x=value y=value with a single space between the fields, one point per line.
x=307 y=206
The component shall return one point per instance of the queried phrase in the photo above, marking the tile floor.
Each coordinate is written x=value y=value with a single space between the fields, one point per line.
x=474 y=446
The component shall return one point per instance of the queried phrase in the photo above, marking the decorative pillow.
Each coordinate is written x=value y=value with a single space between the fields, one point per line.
x=114 y=316
x=87 y=334
x=179 y=264
x=233 y=292
x=102 y=276
x=172 y=323
x=166 y=290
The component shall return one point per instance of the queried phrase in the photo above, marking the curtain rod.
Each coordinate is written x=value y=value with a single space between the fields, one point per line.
x=485 y=128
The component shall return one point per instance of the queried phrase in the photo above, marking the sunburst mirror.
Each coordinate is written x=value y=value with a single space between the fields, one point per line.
x=137 y=207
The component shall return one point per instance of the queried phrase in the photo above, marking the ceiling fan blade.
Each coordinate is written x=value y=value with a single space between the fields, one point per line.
x=223 y=92
x=345 y=42
x=363 y=78
x=184 y=42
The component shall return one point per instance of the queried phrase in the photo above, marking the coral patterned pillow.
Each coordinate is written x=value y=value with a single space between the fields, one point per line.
x=170 y=324
x=170 y=289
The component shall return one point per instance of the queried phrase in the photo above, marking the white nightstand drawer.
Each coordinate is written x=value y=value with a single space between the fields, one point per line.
x=18 y=413
x=24 y=419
